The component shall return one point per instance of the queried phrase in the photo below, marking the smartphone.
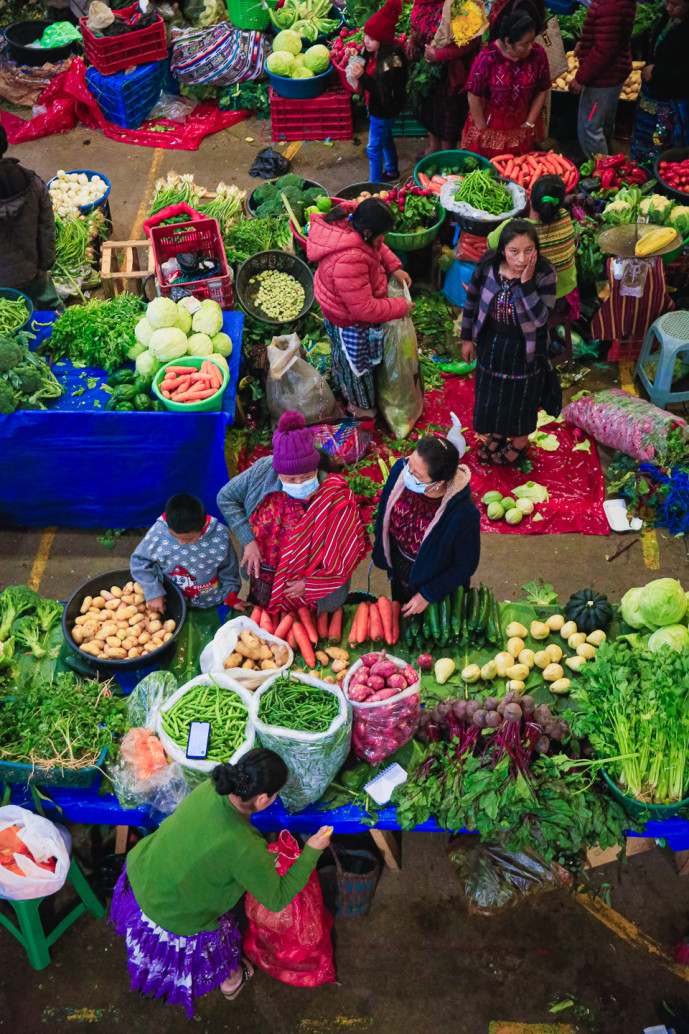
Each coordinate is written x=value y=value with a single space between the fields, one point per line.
x=197 y=744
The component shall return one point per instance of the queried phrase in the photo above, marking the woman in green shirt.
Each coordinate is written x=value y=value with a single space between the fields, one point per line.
x=556 y=239
x=173 y=900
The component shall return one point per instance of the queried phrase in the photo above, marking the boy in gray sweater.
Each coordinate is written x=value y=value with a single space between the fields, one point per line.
x=194 y=550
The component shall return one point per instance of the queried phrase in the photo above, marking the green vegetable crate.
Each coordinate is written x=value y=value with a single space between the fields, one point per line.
x=407 y=125
x=211 y=405
x=414 y=241
x=250 y=14
x=16 y=772
x=450 y=161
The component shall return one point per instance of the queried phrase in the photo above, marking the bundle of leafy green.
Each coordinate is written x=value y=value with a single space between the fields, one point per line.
x=246 y=238
x=29 y=629
x=26 y=382
x=98 y=334
x=268 y=196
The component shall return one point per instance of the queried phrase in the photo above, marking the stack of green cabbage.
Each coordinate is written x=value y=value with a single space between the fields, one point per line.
x=661 y=606
x=168 y=332
x=288 y=61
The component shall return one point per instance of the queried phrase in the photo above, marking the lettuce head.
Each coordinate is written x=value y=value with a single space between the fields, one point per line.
x=675 y=637
x=662 y=602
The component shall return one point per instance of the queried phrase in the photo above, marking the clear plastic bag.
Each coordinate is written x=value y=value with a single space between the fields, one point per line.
x=148 y=697
x=44 y=840
x=495 y=880
x=312 y=758
x=172 y=107
x=292 y=383
x=625 y=422
x=398 y=378
x=216 y=653
x=142 y=776
x=381 y=728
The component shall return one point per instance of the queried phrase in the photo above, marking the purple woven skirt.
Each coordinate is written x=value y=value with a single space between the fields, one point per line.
x=162 y=963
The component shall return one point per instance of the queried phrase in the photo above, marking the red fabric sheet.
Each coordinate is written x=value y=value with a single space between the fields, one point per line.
x=69 y=101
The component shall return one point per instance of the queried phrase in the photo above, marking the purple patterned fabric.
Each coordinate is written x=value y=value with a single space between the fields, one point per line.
x=162 y=963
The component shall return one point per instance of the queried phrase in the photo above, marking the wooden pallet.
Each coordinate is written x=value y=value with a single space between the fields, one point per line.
x=120 y=267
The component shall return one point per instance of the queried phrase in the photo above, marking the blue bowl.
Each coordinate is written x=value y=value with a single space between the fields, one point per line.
x=90 y=173
x=300 y=89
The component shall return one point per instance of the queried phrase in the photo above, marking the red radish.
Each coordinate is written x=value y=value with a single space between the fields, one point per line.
x=425 y=662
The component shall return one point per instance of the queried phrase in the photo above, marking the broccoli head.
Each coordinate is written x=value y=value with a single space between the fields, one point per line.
x=29 y=377
x=27 y=631
x=6 y=652
x=292 y=194
x=312 y=195
x=8 y=403
x=289 y=180
x=11 y=354
x=49 y=613
x=15 y=601
x=265 y=192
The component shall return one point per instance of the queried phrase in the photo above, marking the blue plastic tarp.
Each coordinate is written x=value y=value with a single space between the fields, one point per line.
x=77 y=465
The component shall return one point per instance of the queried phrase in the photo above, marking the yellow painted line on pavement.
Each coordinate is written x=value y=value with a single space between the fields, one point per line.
x=505 y=1027
x=153 y=172
x=42 y=554
x=649 y=538
x=627 y=377
x=631 y=933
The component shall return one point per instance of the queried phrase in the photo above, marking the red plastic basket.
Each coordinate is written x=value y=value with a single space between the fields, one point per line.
x=329 y=115
x=624 y=351
x=200 y=235
x=114 y=53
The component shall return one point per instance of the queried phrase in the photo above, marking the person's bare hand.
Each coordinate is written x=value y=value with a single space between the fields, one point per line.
x=530 y=267
x=468 y=351
x=575 y=86
x=241 y=606
x=320 y=840
x=295 y=589
x=410 y=307
x=429 y=53
x=251 y=559
x=157 y=603
x=647 y=73
x=417 y=604
x=402 y=276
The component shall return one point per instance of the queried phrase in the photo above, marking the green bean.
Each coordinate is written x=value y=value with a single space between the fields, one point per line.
x=225 y=711
x=295 y=705
x=480 y=190
x=12 y=314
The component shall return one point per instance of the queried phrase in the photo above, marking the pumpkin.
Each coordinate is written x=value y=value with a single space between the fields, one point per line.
x=589 y=609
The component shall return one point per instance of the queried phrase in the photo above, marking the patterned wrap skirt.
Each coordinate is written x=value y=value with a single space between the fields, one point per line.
x=355 y=351
x=508 y=390
x=658 y=126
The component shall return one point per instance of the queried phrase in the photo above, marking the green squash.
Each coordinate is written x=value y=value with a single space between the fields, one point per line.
x=589 y=610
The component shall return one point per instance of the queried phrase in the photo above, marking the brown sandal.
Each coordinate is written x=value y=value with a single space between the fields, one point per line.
x=492 y=445
x=498 y=457
x=247 y=973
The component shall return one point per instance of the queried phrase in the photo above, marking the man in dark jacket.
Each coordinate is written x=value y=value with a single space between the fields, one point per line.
x=27 y=232
x=605 y=61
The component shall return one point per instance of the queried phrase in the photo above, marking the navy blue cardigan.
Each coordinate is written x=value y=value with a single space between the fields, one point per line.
x=449 y=553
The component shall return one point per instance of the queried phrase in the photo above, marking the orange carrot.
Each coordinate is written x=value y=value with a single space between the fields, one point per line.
x=322 y=625
x=361 y=619
x=502 y=158
x=375 y=623
x=291 y=641
x=304 y=644
x=335 y=629
x=385 y=609
x=284 y=626
x=256 y=614
x=424 y=180
x=396 y=607
x=166 y=393
x=265 y=623
x=181 y=370
x=308 y=623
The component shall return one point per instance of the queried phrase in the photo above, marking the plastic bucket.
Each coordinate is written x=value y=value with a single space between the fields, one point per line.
x=448 y=160
x=352 y=192
x=300 y=89
x=414 y=241
x=458 y=275
x=21 y=34
x=100 y=203
x=12 y=295
x=639 y=810
x=209 y=405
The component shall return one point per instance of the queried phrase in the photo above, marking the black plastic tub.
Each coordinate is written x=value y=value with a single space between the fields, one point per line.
x=20 y=34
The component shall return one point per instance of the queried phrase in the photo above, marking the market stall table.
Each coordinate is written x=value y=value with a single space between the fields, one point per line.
x=76 y=464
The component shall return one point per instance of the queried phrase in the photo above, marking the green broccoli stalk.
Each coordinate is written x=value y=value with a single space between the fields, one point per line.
x=6 y=652
x=15 y=601
x=48 y=613
x=27 y=630
x=7 y=400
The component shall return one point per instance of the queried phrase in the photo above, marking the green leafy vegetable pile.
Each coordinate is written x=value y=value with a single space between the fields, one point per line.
x=433 y=319
x=99 y=333
x=26 y=382
x=242 y=240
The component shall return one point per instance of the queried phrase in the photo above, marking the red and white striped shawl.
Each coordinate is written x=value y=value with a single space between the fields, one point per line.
x=325 y=548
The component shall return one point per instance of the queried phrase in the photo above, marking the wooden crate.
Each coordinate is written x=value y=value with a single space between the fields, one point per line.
x=120 y=267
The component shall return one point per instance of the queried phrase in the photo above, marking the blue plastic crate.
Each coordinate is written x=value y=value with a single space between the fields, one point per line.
x=127 y=98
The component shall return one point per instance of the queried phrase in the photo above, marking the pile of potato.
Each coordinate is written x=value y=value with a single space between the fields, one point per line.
x=333 y=657
x=117 y=625
x=256 y=654
x=367 y=193
x=630 y=90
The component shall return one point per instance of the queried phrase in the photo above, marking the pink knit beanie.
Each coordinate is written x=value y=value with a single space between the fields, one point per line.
x=293 y=448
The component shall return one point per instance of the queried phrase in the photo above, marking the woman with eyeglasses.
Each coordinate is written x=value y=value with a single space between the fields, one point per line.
x=427 y=528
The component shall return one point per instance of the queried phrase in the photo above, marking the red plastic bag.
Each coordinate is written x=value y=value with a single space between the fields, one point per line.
x=293 y=945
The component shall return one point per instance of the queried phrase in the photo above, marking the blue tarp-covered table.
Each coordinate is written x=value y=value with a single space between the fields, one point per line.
x=76 y=464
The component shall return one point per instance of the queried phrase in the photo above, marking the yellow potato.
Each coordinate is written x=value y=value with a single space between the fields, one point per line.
x=341 y=675
x=157 y=643
x=113 y=640
x=112 y=604
x=167 y=637
x=90 y=648
x=134 y=652
x=128 y=598
x=109 y=628
x=117 y=653
x=82 y=619
x=155 y=626
x=139 y=598
x=144 y=638
x=122 y=634
x=77 y=635
x=86 y=604
x=106 y=595
x=89 y=629
x=115 y=590
x=170 y=625
x=99 y=643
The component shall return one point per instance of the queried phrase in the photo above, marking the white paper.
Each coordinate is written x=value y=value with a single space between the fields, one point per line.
x=380 y=788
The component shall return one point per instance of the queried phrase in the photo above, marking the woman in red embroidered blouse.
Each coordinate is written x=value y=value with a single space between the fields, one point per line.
x=507 y=88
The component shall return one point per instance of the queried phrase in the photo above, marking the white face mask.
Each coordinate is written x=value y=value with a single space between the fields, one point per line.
x=413 y=483
x=303 y=490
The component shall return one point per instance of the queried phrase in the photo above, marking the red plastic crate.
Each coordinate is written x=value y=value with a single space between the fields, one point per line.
x=624 y=351
x=329 y=115
x=114 y=53
x=201 y=235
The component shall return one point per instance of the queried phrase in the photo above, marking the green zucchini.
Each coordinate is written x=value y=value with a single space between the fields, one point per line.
x=464 y=631
x=457 y=601
x=485 y=597
x=491 y=624
x=426 y=624
x=434 y=619
x=473 y=612
x=445 y=628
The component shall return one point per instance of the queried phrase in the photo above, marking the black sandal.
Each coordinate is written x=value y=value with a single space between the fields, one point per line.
x=247 y=973
x=498 y=457
x=490 y=447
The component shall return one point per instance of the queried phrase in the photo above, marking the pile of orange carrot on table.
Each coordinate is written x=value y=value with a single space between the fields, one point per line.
x=525 y=168
x=186 y=384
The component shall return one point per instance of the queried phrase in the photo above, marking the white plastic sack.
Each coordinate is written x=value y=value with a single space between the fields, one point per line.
x=292 y=383
x=398 y=377
x=45 y=840
x=178 y=753
x=312 y=758
x=381 y=728
x=223 y=644
x=450 y=203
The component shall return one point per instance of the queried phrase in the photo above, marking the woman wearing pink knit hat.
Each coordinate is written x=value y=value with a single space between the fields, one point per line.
x=298 y=525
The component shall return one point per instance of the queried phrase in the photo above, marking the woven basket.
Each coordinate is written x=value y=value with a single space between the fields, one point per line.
x=349 y=893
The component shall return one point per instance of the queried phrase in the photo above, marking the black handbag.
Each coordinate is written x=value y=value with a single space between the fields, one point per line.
x=551 y=398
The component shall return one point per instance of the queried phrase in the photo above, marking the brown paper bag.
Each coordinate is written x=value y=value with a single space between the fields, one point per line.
x=445 y=37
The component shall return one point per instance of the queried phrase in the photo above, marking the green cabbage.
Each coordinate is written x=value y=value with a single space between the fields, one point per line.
x=674 y=636
x=302 y=73
x=317 y=59
x=514 y=516
x=222 y=344
x=168 y=343
x=136 y=350
x=281 y=63
x=287 y=41
x=161 y=312
x=142 y=332
x=183 y=321
x=662 y=602
x=207 y=319
x=533 y=491
x=629 y=605
x=199 y=344
x=147 y=365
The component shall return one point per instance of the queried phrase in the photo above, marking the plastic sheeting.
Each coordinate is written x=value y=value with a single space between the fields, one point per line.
x=67 y=101
x=77 y=465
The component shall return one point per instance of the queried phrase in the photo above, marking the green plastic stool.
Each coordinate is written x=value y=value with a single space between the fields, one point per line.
x=30 y=932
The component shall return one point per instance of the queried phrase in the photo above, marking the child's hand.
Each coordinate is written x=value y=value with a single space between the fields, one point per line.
x=241 y=606
x=157 y=603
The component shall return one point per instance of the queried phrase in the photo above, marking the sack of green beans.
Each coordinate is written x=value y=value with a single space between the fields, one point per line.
x=309 y=724
x=217 y=699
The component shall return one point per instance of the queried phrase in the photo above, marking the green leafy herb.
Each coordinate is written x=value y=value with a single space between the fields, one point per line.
x=99 y=333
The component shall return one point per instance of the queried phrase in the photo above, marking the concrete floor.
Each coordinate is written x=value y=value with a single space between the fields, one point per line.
x=418 y=961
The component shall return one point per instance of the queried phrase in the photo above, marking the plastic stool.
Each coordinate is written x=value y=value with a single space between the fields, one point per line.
x=30 y=932
x=672 y=331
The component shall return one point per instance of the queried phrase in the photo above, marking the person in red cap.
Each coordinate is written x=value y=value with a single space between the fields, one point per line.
x=382 y=71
